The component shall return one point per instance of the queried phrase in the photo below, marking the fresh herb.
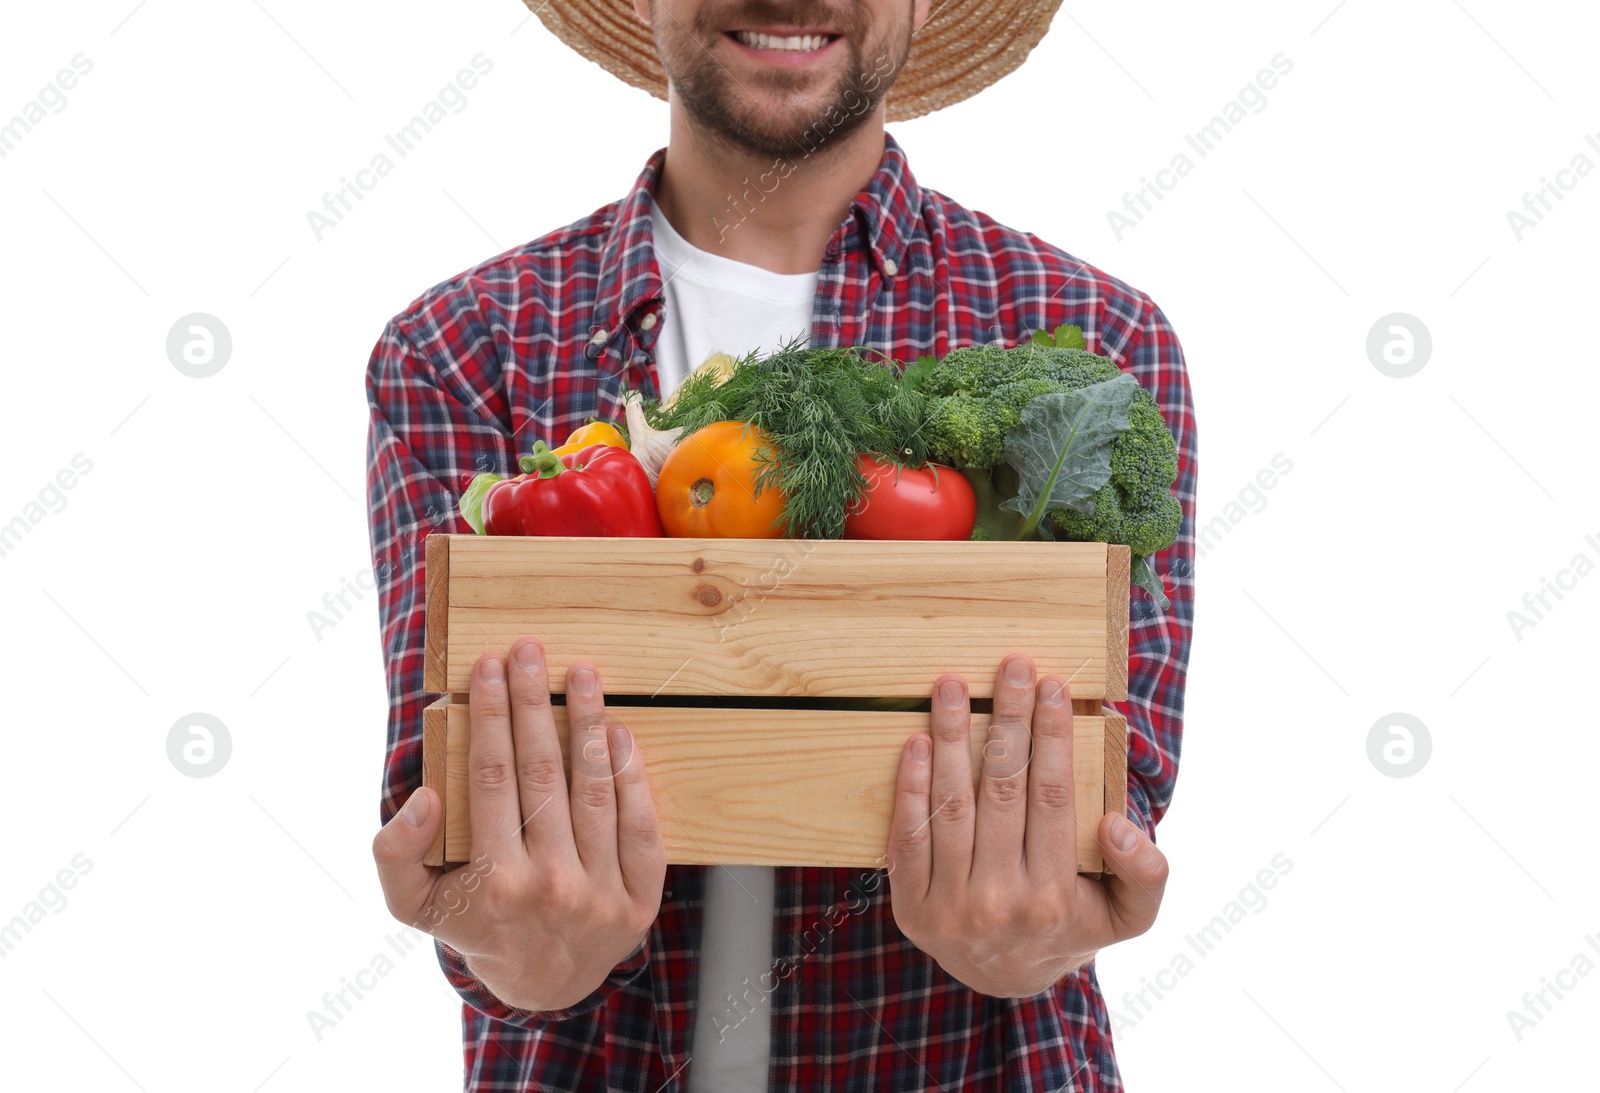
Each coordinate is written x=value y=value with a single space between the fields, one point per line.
x=823 y=407
x=1065 y=337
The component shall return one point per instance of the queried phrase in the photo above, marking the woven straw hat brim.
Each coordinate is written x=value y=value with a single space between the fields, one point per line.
x=963 y=47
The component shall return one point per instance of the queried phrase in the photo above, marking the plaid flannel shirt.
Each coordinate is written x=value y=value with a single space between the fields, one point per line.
x=526 y=346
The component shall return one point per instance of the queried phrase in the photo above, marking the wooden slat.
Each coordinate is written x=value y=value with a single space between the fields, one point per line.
x=1116 y=766
x=435 y=748
x=437 y=613
x=1117 y=563
x=778 y=787
x=834 y=618
x=1080 y=706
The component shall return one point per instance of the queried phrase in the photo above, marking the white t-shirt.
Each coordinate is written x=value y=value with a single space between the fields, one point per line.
x=714 y=303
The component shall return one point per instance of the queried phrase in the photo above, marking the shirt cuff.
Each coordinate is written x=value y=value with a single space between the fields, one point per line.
x=479 y=997
x=1139 y=807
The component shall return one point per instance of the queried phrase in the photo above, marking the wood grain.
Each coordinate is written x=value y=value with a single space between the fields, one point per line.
x=436 y=642
x=435 y=759
x=834 y=618
x=778 y=787
x=1117 y=562
x=1116 y=767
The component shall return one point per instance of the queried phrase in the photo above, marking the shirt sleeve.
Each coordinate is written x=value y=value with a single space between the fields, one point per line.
x=425 y=442
x=1158 y=641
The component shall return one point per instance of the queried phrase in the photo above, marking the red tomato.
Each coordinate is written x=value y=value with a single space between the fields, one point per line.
x=931 y=502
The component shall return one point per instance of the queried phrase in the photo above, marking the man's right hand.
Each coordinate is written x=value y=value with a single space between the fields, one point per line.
x=564 y=884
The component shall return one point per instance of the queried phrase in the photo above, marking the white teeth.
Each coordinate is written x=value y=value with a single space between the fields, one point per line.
x=799 y=44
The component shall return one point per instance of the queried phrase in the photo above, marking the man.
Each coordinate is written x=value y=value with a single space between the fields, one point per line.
x=779 y=206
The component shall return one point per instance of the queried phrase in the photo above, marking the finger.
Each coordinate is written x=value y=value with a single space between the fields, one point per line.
x=594 y=803
x=950 y=801
x=910 y=840
x=1051 y=842
x=541 y=777
x=641 y=851
x=1002 y=812
x=1138 y=879
x=399 y=849
x=491 y=763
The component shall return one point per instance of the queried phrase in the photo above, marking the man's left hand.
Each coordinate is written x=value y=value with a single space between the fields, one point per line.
x=986 y=882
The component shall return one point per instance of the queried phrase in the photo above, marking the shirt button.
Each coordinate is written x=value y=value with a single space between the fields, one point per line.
x=599 y=337
x=648 y=322
x=891 y=267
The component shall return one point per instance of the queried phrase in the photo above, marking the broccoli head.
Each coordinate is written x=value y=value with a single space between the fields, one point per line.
x=977 y=396
x=979 y=391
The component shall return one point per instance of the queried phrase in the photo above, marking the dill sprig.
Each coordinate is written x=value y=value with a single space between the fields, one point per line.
x=823 y=407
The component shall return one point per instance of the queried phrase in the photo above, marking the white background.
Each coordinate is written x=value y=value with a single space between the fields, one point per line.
x=1376 y=577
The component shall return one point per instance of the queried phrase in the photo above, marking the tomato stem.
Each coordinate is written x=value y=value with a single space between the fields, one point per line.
x=701 y=493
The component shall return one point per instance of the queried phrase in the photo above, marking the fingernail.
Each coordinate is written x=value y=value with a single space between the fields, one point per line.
x=1050 y=693
x=919 y=748
x=527 y=655
x=583 y=681
x=1019 y=672
x=621 y=741
x=494 y=669
x=951 y=693
x=1123 y=834
x=416 y=809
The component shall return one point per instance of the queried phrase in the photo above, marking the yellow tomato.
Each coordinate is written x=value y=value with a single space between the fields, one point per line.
x=708 y=485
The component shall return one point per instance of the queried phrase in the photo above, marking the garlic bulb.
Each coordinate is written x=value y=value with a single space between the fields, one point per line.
x=649 y=446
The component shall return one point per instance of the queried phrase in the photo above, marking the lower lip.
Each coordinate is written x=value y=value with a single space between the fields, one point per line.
x=786 y=58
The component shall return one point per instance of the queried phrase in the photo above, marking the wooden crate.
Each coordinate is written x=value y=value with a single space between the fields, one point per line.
x=778 y=628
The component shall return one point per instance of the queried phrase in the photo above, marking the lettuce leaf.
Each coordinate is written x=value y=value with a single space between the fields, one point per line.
x=472 y=500
x=1061 y=448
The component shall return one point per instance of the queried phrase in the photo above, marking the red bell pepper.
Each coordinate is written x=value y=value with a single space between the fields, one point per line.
x=599 y=490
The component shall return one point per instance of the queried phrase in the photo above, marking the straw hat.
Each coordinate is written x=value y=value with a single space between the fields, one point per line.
x=965 y=46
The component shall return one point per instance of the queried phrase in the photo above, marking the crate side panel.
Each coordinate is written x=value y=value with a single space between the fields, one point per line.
x=777 y=787
x=782 y=617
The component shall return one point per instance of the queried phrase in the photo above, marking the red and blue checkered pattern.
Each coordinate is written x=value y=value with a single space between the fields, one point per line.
x=529 y=344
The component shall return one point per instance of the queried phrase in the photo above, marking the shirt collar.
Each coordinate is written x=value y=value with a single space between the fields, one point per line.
x=882 y=221
x=889 y=209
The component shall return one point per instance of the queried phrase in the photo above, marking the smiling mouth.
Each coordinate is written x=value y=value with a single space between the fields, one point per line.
x=798 y=43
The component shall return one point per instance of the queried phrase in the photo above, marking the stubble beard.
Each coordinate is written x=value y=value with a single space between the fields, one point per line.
x=774 y=116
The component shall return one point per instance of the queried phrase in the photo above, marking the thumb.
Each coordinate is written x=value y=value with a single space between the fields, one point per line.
x=1138 y=879
x=400 y=847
